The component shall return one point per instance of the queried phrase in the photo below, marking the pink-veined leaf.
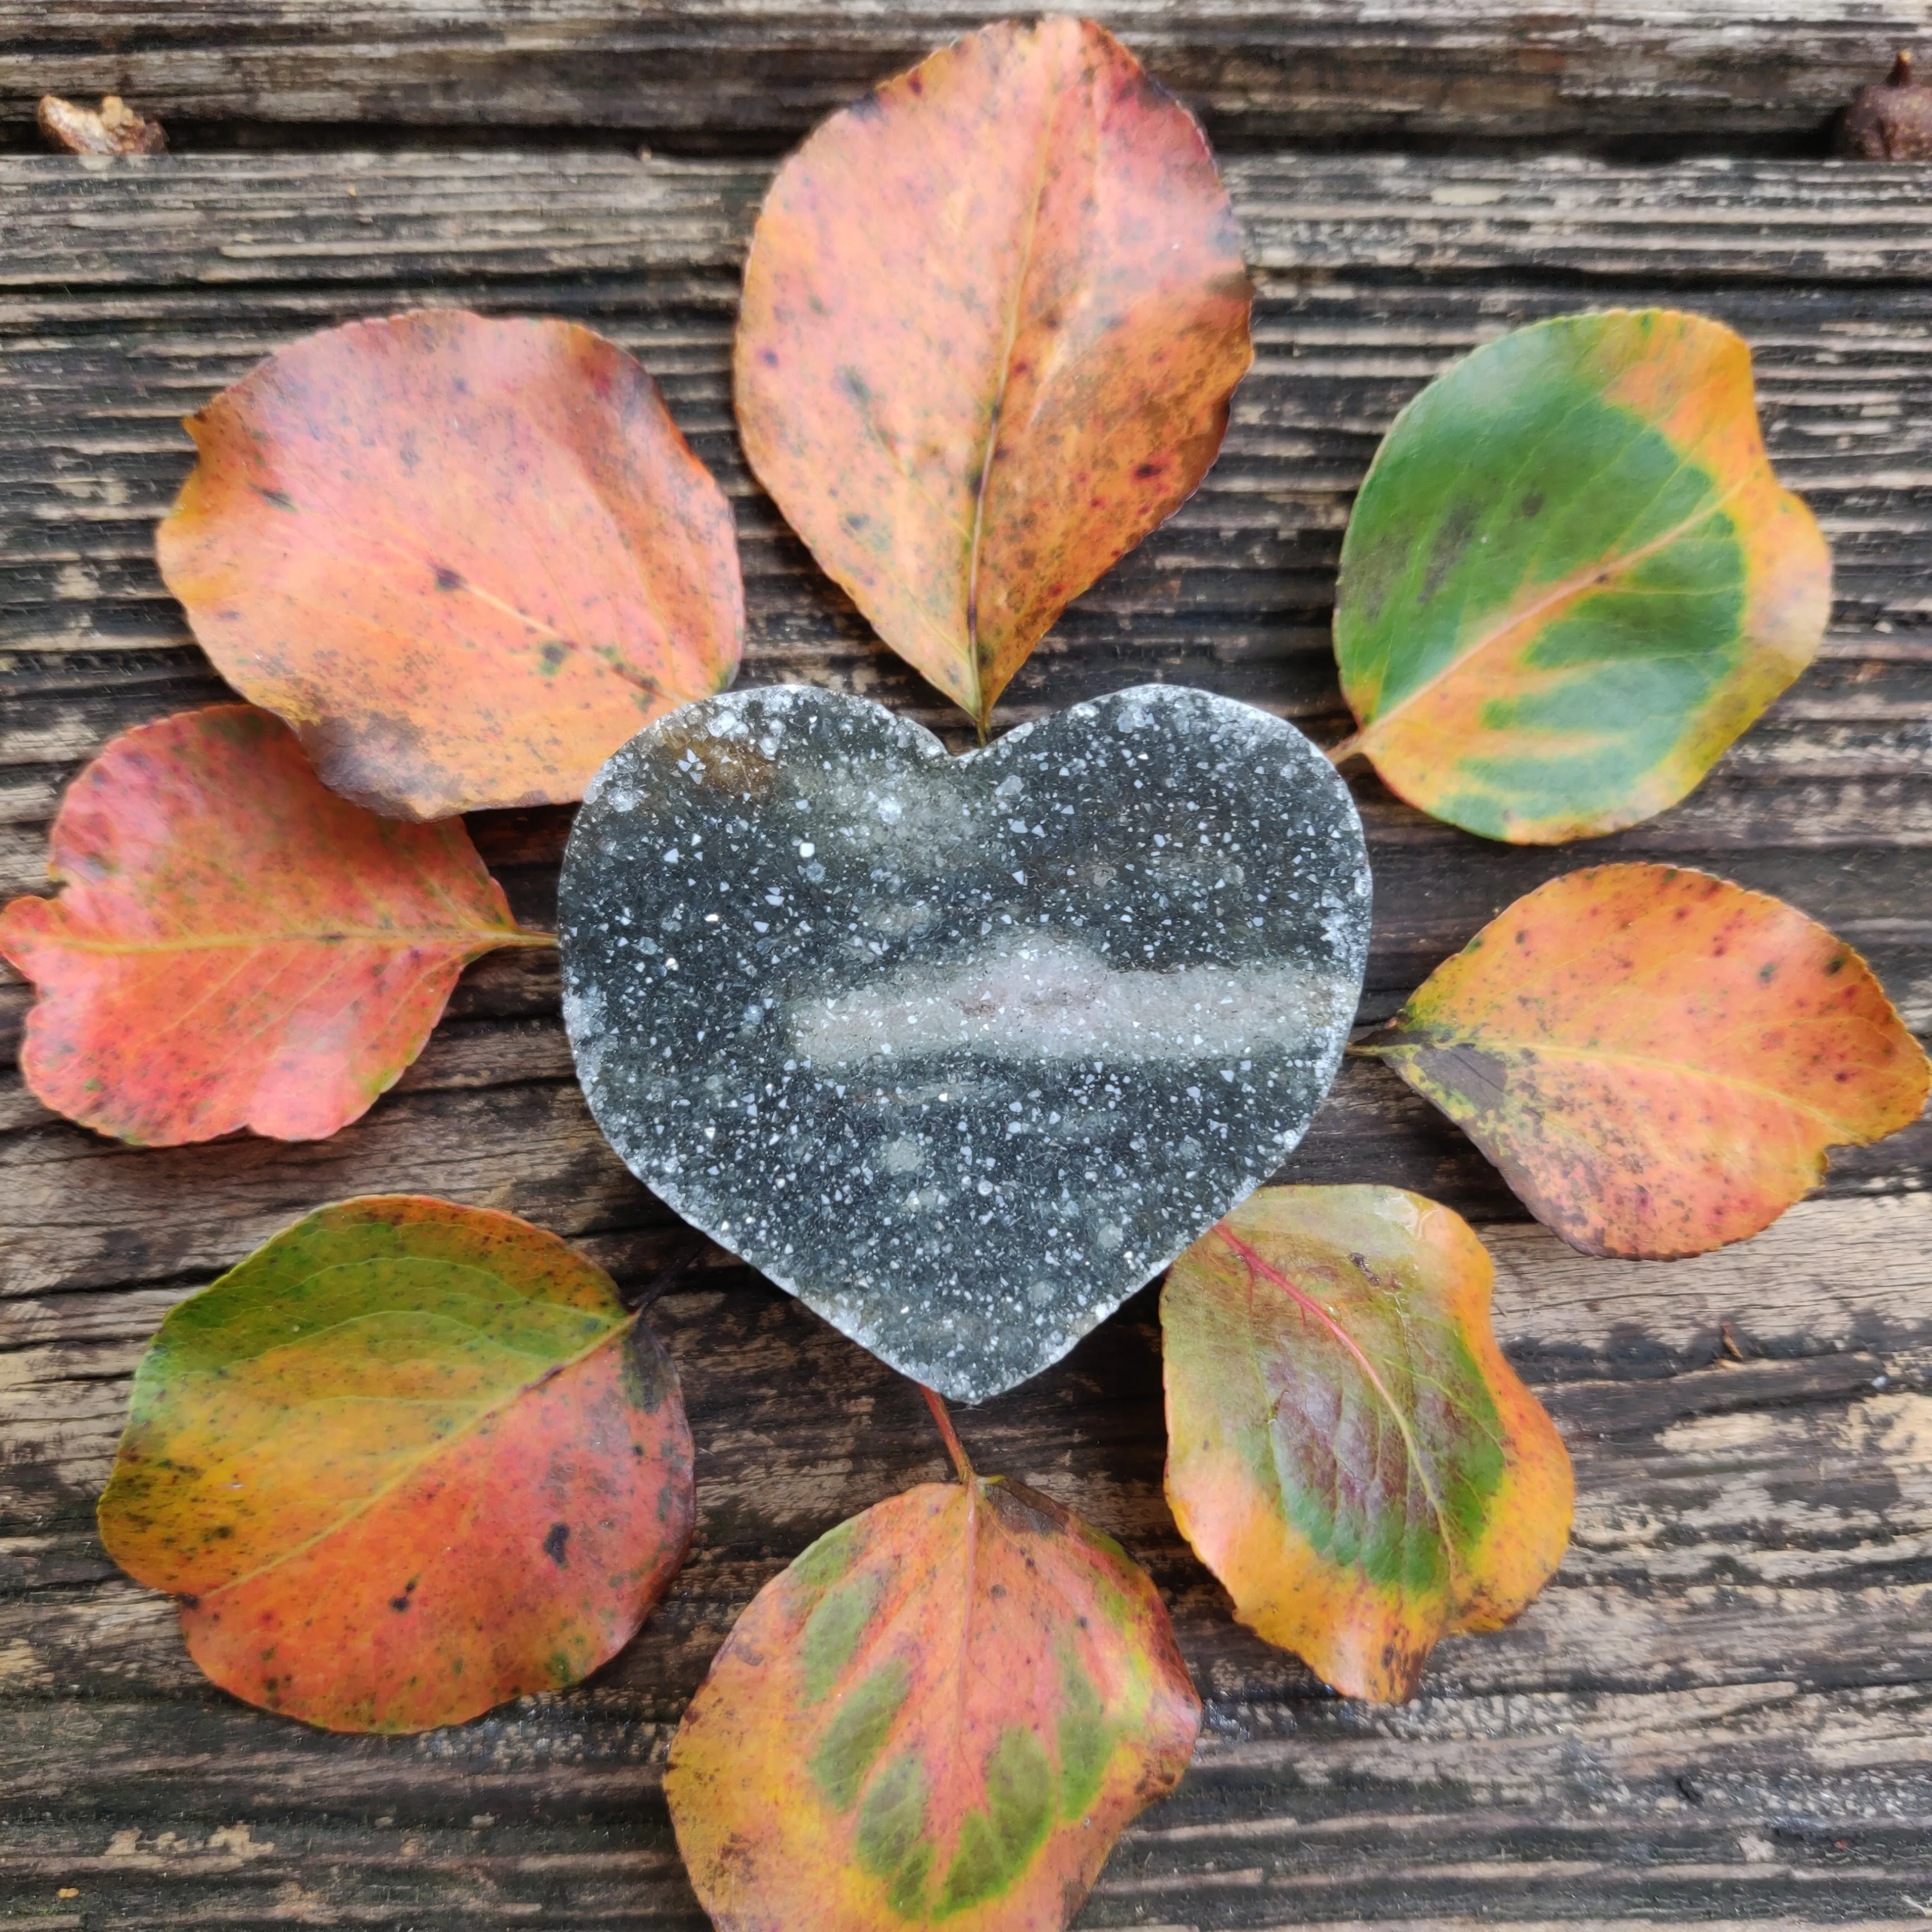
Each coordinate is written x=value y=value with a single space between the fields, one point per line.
x=1347 y=1450
x=234 y=945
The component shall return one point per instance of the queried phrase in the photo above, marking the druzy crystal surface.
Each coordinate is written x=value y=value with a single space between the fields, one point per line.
x=961 y=1050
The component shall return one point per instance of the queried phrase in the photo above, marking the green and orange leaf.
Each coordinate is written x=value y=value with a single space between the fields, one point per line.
x=235 y=945
x=992 y=317
x=407 y=1460
x=1571 y=580
x=944 y=1711
x=465 y=559
x=1656 y=1059
x=1347 y=1450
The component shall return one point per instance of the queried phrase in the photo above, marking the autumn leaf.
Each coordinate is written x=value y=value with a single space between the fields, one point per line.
x=407 y=1460
x=1571 y=580
x=1656 y=1059
x=465 y=559
x=992 y=316
x=112 y=128
x=944 y=1711
x=1347 y=1450
x=236 y=946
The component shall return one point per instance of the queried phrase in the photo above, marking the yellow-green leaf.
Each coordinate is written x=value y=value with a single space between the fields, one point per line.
x=1571 y=580
x=407 y=1460
x=1347 y=1450
x=943 y=1712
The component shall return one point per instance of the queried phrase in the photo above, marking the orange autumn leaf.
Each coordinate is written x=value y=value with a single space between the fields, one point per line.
x=406 y=1461
x=1657 y=1060
x=1347 y=1450
x=992 y=316
x=465 y=559
x=234 y=945
x=943 y=1712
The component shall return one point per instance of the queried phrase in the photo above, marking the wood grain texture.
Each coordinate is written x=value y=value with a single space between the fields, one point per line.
x=1719 y=1710
x=420 y=216
x=1729 y=1674
x=746 y=72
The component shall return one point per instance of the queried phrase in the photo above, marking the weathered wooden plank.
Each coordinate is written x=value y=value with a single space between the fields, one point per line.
x=741 y=73
x=1738 y=1800
x=1704 y=1518
x=1320 y=1812
x=258 y=220
x=80 y=1212
x=1234 y=593
x=1736 y=1649
x=1239 y=580
x=1832 y=1275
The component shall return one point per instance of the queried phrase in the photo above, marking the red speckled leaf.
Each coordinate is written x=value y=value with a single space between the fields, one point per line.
x=992 y=316
x=1657 y=1060
x=236 y=946
x=1347 y=1450
x=408 y=1460
x=465 y=559
x=943 y=1712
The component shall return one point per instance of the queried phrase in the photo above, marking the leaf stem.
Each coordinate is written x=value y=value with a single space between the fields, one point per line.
x=1339 y=755
x=685 y=1261
x=523 y=936
x=949 y=1435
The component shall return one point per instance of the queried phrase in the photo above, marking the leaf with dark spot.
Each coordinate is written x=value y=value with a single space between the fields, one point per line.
x=401 y=1387
x=454 y=501
x=1008 y=292
x=1347 y=1450
x=1659 y=1061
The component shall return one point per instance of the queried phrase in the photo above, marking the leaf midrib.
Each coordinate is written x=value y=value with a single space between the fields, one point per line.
x=491 y=935
x=384 y=1490
x=1566 y=591
x=1002 y=382
x=1259 y=1263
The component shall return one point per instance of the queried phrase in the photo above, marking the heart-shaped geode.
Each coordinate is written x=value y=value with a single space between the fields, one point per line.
x=961 y=1050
